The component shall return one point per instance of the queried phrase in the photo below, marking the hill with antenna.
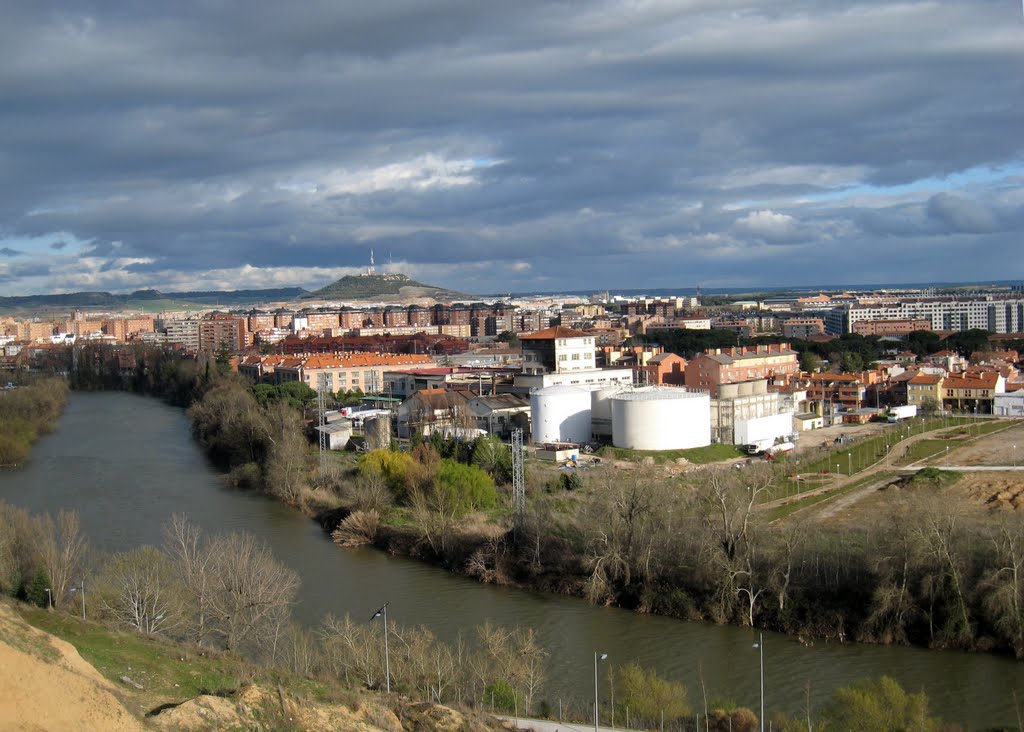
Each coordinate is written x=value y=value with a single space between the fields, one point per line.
x=381 y=287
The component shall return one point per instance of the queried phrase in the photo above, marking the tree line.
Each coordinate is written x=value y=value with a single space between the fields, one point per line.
x=228 y=592
x=26 y=412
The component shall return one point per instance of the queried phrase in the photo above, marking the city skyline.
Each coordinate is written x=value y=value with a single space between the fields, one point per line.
x=534 y=147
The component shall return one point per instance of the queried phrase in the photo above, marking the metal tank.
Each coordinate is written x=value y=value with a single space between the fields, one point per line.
x=661 y=419
x=560 y=414
x=601 y=409
x=377 y=431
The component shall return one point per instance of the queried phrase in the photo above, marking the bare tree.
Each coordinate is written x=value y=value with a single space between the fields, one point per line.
x=1004 y=584
x=62 y=548
x=352 y=651
x=248 y=587
x=142 y=590
x=183 y=543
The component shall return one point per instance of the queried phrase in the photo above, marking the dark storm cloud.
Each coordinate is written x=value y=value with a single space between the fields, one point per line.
x=8 y=252
x=527 y=145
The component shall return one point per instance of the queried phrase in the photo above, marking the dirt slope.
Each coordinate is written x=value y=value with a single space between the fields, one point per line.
x=47 y=686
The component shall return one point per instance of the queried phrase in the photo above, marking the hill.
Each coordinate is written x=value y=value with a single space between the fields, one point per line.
x=380 y=287
x=60 y=673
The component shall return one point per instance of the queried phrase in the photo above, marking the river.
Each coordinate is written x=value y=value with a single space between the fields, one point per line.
x=126 y=463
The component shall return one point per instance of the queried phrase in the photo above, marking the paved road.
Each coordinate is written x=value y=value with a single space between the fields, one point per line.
x=546 y=725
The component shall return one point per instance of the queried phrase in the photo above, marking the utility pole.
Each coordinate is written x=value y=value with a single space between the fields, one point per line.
x=321 y=405
x=518 y=479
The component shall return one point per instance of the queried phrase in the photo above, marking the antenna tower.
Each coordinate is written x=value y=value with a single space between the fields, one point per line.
x=518 y=479
x=321 y=408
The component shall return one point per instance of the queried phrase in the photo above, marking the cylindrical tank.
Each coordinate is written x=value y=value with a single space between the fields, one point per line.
x=601 y=409
x=728 y=391
x=661 y=419
x=761 y=386
x=377 y=431
x=744 y=388
x=560 y=414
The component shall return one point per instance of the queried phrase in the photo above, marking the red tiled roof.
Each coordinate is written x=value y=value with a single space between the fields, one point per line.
x=557 y=331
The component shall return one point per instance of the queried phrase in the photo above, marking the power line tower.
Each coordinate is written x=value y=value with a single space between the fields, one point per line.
x=321 y=408
x=518 y=479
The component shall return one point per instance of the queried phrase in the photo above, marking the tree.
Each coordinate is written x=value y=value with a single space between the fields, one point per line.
x=876 y=705
x=62 y=548
x=493 y=456
x=460 y=489
x=248 y=586
x=185 y=547
x=648 y=696
x=143 y=590
x=285 y=473
x=810 y=361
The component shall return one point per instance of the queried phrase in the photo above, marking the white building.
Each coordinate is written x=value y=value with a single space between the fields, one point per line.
x=993 y=313
x=1009 y=405
x=557 y=350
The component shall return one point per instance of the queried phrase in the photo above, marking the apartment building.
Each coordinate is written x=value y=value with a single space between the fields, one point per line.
x=972 y=393
x=802 y=328
x=347 y=371
x=719 y=366
x=890 y=327
x=993 y=313
x=557 y=350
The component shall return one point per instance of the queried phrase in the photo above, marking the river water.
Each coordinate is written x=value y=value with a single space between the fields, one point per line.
x=126 y=463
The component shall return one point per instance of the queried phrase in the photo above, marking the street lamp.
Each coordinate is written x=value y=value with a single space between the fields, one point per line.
x=387 y=658
x=837 y=472
x=947 y=456
x=760 y=648
x=1015 y=456
x=49 y=599
x=82 y=590
x=849 y=463
x=597 y=657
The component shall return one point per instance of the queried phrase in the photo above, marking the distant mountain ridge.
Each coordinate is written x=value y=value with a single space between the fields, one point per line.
x=108 y=300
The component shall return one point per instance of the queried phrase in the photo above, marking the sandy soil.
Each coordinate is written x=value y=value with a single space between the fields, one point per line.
x=47 y=686
x=997 y=449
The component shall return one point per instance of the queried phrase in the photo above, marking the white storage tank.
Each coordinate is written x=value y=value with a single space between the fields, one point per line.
x=661 y=419
x=601 y=409
x=560 y=414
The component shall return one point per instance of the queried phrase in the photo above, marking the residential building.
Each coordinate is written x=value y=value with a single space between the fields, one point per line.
x=972 y=393
x=347 y=371
x=501 y=413
x=431 y=410
x=802 y=328
x=719 y=366
x=924 y=389
x=890 y=327
x=666 y=368
x=994 y=313
x=557 y=350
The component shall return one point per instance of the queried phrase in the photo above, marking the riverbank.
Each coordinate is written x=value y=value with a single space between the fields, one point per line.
x=126 y=463
x=28 y=411
x=60 y=673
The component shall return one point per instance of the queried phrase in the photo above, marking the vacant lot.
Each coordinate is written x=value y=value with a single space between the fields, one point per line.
x=980 y=493
x=1002 y=448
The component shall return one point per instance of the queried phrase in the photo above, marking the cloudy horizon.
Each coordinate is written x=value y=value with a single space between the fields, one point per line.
x=488 y=148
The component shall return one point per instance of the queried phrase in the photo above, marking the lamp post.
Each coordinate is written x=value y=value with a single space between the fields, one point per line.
x=597 y=657
x=82 y=590
x=837 y=472
x=49 y=599
x=383 y=612
x=760 y=648
x=849 y=463
x=947 y=456
x=1015 y=456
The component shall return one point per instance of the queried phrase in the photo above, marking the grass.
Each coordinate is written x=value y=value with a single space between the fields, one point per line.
x=167 y=671
x=696 y=455
x=923 y=449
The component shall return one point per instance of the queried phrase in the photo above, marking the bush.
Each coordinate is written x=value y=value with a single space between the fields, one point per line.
x=464 y=488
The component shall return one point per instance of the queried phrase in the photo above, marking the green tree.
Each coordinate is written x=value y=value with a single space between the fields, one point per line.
x=493 y=456
x=36 y=589
x=648 y=696
x=876 y=705
x=810 y=361
x=464 y=488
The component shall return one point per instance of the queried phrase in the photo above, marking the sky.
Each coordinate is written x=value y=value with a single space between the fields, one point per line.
x=508 y=147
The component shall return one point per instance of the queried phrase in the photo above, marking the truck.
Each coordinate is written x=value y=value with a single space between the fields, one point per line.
x=904 y=411
x=775 y=451
x=757 y=435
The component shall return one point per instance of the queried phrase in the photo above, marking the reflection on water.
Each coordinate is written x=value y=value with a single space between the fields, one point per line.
x=126 y=463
